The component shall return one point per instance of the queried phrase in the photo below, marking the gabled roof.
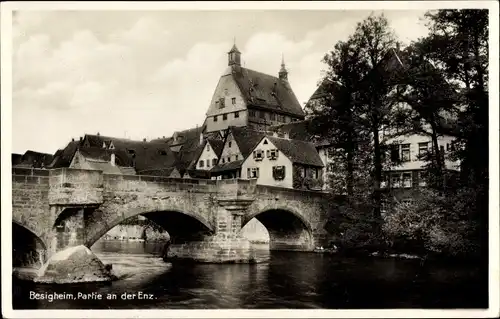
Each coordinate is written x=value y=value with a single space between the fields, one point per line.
x=300 y=130
x=266 y=91
x=63 y=157
x=37 y=158
x=96 y=154
x=226 y=166
x=246 y=139
x=299 y=152
x=217 y=145
x=16 y=158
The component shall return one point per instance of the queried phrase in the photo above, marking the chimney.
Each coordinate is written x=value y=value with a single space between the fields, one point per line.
x=98 y=134
x=81 y=138
x=112 y=159
x=144 y=140
x=72 y=139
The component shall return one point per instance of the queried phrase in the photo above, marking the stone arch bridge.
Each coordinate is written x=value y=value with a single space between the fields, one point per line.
x=68 y=207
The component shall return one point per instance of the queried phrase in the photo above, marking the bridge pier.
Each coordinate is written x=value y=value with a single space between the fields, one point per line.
x=226 y=245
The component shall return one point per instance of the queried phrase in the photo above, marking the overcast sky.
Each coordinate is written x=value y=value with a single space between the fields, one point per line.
x=147 y=74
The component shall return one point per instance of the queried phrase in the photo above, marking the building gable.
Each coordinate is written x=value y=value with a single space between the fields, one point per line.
x=207 y=157
x=227 y=107
x=230 y=151
x=268 y=165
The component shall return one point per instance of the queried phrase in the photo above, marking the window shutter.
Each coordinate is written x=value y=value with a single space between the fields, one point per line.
x=267 y=153
x=277 y=153
x=257 y=172
x=249 y=173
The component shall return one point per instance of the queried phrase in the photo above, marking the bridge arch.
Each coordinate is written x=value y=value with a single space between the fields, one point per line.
x=180 y=224
x=287 y=227
x=28 y=248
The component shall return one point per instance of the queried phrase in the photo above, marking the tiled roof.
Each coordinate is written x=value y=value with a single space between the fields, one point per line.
x=63 y=159
x=148 y=155
x=246 y=139
x=16 y=158
x=266 y=91
x=226 y=166
x=299 y=152
x=158 y=172
x=217 y=145
x=300 y=130
x=32 y=157
x=96 y=154
x=105 y=167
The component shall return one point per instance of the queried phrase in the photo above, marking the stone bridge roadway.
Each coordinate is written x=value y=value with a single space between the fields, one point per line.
x=68 y=207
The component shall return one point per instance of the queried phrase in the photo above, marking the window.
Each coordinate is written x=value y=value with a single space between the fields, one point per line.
x=407 y=180
x=224 y=117
x=405 y=152
x=201 y=163
x=273 y=117
x=394 y=153
x=329 y=167
x=233 y=100
x=251 y=113
x=214 y=162
x=229 y=144
x=236 y=115
x=208 y=163
x=236 y=157
x=253 y=172
x=422 y=179
x=223 y=160
x=272 y=154
x=215 y=118
x=448 y=147
x=262 y=114
x=279 y=173
x=395 y=180
x=258 y=155
x=423 y=149
x=229 y=159
x=316 y=172
x=441 y=148
x=265 y=142
x=208 y=147
x=222 y=103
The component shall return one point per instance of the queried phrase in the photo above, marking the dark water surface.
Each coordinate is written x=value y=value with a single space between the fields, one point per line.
x=281 y=280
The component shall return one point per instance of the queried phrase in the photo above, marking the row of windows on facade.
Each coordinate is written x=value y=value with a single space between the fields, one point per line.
x=259 y=114
x=401 y=152
x=403 y=180
x=223 y=160
x=279 y=172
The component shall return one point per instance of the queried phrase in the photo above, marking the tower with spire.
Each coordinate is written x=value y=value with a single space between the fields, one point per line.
x=234 y=56
x=283 y=73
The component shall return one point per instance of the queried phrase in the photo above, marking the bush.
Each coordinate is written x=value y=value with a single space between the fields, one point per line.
x=433 y=224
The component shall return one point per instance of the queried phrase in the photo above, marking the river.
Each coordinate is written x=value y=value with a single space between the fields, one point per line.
x=280 y=280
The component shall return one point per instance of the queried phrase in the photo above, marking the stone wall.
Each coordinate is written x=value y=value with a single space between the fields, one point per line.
x=30 y=205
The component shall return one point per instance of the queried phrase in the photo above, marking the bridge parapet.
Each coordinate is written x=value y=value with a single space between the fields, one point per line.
x=236 y=189
x=75 y=187
x=129 y=183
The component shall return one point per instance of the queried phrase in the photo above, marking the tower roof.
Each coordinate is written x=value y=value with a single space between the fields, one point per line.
x=234 y=49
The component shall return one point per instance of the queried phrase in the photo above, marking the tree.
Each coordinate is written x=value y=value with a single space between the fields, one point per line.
x=375 y=98
x=458 y=46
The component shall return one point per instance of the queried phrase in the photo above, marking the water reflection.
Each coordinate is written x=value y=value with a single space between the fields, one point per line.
x=282 y=280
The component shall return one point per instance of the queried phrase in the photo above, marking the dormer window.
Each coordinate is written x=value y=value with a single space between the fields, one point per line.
x=103 y=144
x=162 y=152
x=208 y=148
x=131 y=152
